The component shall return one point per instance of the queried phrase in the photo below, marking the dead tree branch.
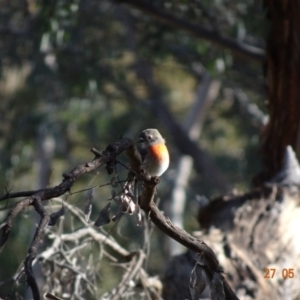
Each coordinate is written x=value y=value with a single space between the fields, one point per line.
x=34 y=247
x=238 y=48
x=210 y=265
x=107 y=157
x=146 y=202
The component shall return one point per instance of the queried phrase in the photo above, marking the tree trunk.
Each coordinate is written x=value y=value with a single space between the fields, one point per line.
x=283 y=78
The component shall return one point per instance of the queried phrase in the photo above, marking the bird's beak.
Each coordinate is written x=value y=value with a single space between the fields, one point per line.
x=141 y=140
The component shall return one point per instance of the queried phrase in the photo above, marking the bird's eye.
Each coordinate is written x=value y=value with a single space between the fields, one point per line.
x=150 y=137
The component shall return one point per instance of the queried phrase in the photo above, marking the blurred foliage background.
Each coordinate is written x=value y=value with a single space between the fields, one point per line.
x=69 y=81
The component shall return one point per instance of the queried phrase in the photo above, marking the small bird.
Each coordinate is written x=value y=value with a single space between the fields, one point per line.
x=155 y=158
x=154 y=152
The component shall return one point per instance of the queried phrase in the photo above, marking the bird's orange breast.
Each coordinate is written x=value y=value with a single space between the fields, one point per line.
x=160 y=151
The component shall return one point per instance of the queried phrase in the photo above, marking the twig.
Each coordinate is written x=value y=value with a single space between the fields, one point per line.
x=107 y=157
x=97 y=236
x=133 y=269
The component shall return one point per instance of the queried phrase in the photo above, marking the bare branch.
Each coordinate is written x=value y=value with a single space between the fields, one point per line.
x=165 y=225
x=34 y=246
x=9 y=195
x=134 y=268
x=107 y=157
x=206 y=93
x=250 y=109
x=96 y=236
x=6 y=227
x=52 y=297
x=211 y=265
x=238 y=48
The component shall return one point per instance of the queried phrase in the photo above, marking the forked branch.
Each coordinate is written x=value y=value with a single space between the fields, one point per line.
x=210 y=265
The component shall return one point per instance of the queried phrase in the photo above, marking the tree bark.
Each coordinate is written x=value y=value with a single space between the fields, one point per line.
x=283 y=77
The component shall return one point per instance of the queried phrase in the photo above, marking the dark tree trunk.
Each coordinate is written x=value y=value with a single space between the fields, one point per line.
x=283 y=83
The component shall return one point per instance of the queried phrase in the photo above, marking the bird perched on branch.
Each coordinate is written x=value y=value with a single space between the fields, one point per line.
x=154 y=152
x=155 y=158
